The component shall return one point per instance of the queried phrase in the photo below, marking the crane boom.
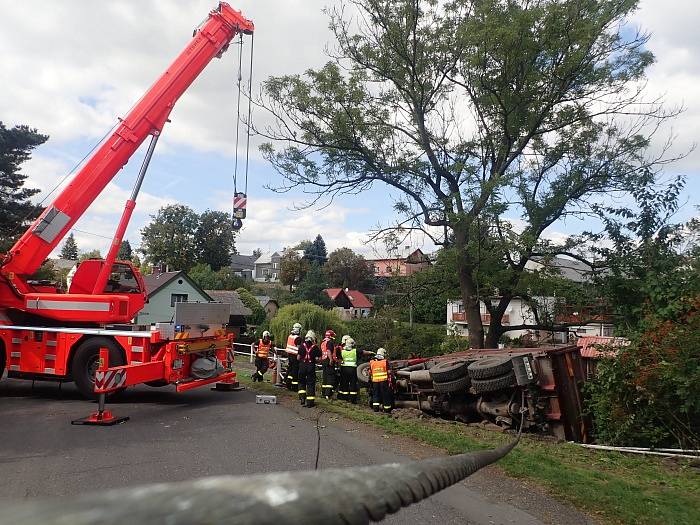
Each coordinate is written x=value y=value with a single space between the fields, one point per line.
x=147 y=117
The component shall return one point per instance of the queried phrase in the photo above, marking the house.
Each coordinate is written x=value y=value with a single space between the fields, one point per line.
x=267 y=267
x=239 y=311
x=414 y=262
x=593 y=322
x=164 y=290
x=269 y=304
x=350 y=304
x=243 y=266
x=593 y=348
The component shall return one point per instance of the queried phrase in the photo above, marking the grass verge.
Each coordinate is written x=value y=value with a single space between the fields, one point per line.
x=613 y=487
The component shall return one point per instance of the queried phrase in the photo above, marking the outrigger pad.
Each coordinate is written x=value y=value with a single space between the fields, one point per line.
x=106 y=419
x=228 y=387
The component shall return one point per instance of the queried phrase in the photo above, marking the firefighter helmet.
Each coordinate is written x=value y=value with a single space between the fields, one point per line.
x=330 y=334
x=381 y=353
x=296 y=329
x=310 y=336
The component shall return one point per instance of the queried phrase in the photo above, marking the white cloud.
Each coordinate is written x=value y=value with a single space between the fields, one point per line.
x=71 y=69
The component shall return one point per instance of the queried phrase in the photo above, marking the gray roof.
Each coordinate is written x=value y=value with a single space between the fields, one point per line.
x=570 y=269
x=264 y=299
x=243 y=262
x=266 y=258
x=155 y=281
x=230 y=297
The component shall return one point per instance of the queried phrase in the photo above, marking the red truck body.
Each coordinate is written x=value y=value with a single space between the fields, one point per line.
x=46 y=334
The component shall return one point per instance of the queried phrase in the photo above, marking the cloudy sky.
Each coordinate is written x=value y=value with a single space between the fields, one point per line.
x=70 y=68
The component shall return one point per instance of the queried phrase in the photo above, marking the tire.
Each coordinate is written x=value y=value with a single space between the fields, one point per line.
x=452 y=386
x=363 y=373
x=3 y=359
x=448 y=370
x=85 y=360
x=493 y=384
x=489 y=367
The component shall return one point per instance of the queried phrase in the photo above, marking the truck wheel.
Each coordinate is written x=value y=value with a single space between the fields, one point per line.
x=3 y=359
x=448 y=370
x=363 y=373
x=86 y=360
x=494 y=383
x=490 y=367
x=452 y=386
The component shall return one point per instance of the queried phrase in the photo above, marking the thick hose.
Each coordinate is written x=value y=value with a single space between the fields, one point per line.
x=348 y=496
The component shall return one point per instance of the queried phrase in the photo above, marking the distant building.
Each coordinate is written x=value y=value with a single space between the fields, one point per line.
x=165 y=290
x=269 y=304
x=243 y=266
x=400 y=266
x=519 y=312
x=267 y=268
x=239 y=311
x=350 y=304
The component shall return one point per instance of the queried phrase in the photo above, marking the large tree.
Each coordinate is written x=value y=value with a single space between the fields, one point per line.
x=69 y=250
x=292 y=268
x=478 y=114
x=316 y=252
x=16 y=208
x=347 y=269
x=215 y=240
x=125 y=252
x=171 y=237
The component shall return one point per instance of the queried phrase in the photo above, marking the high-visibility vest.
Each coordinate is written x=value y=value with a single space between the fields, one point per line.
x=378 y=368
x=292 y=348
x=264 y=349
x=349 y=357
x=307 y=356
x=326 y=353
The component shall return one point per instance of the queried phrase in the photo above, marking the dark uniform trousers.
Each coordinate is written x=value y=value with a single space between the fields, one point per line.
x=348 y=384
x=307 y=383
x=293 y=373
x=382 y=396
x=330 y=380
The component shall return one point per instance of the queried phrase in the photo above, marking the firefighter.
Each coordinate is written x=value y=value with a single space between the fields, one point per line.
x=262 y=352
x=308 y=354
x=382 y=395
x=293 y=341
x=349 y=355
x=328 y=360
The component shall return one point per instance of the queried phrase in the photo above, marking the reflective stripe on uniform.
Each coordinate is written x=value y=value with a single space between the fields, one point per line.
x=310 y=398
x=349 y=357
x=379 y=371
x=302 y=391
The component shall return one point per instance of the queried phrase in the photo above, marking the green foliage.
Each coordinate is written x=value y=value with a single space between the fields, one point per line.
x=125 y=252
x=46 y=272
x=208 y=279
x=69 y=250
x=292 y=269
x=16 y=208
x=311 y=288
x=215 y=239
x=649 y=394
x=310 y=316
x=170 y=238
x=251 y=302
x=551 y=86
x=316 y=252
x=400 y=340
x=346 y=269
x=92 y=254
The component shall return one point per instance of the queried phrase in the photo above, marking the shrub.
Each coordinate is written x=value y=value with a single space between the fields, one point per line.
x=248 y=299
x=310 y=316
x=649 y=394
x=400 y=340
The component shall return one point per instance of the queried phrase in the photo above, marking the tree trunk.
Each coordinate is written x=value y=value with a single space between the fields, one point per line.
x=470 y=298
x=494 y=335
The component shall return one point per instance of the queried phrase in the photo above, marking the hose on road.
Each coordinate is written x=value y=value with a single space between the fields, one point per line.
x=349 y=496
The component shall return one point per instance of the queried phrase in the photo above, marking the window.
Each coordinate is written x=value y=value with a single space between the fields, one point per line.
x=177 y=298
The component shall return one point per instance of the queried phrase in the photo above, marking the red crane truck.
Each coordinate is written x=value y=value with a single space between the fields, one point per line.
x=49 y=335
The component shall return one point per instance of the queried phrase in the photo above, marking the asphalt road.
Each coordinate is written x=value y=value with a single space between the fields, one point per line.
x=174 y=437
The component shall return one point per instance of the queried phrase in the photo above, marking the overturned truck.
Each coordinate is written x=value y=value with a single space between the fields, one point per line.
x=492 y=385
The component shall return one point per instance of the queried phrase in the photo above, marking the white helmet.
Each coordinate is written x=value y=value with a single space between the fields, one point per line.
x=296 y=329
x=345 y=339
x=381 y=353
x=349 y=343
x=266 y=334
x=310 y=336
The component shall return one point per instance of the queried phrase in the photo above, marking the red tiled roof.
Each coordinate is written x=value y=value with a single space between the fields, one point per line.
x=590 y=345
x=356 y=297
